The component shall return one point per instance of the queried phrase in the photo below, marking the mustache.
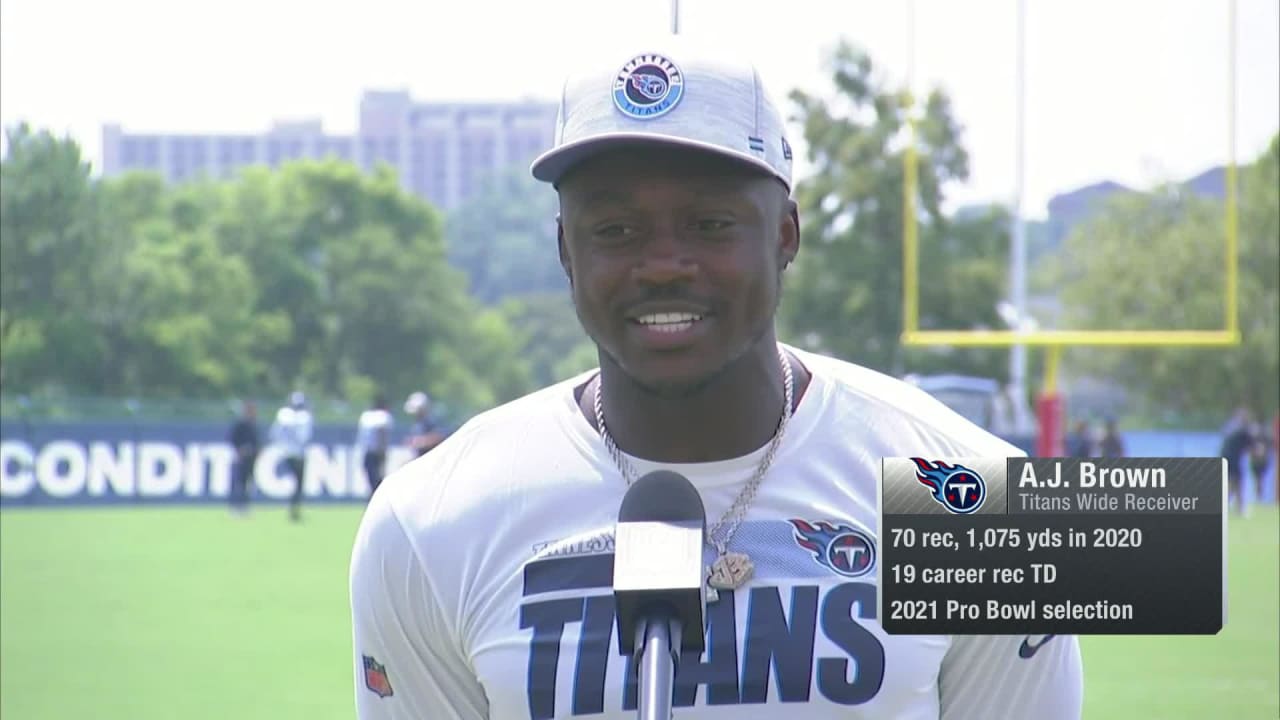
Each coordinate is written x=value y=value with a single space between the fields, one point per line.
x=668 y=293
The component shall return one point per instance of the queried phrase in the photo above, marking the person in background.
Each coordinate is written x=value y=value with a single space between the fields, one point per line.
x=1237 y=437
x=246 y=442
x=1080 y=441
x=423 y=435
x=373 y=437
x=1112 y=445
x=292 y=430
x=1259 y=454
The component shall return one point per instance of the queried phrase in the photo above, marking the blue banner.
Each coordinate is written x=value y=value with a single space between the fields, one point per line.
x=95 y=463
x=46 y=463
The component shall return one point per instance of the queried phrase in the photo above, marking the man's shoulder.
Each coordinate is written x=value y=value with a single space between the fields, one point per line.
x=904 y=414
x=531 y=426
x=485 y=469
x=512 y=419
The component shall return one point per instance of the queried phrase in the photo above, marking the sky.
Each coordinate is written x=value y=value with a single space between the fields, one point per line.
x=1135 y=91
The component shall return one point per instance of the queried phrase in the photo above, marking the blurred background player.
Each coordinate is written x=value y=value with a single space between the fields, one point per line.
x=1080 y=441
x=244 y=438
x=373 y=436
x=423 y=435
x=292 y=431
x=1112 y=444
x=1237 y=437
x=1259 y=458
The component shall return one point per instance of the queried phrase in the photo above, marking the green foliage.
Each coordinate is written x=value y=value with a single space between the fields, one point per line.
x=504 y=239
x=552 y=339
x=46 y=241
x=843 y=296
x=320 y=277
x=314 y=276
x=1155 y=261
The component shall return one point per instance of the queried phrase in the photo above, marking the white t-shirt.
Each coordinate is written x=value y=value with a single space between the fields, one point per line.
x=481 y=578
x=372 y=422
x=292 y=430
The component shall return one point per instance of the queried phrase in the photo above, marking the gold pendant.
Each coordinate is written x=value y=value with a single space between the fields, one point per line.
x=729 y=572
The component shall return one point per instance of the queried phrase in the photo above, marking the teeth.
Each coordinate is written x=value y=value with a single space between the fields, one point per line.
x=669 y=321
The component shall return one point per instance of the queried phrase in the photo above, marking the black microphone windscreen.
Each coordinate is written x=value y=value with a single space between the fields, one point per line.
x=662 y=496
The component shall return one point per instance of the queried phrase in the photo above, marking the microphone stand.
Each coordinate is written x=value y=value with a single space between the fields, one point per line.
x=658 y=638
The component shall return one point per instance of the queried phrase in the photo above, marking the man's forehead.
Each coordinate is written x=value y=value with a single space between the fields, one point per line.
x=629 y=188
x=619 y=176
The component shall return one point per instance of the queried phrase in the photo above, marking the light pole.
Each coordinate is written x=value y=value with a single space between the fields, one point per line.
x=1018 y=256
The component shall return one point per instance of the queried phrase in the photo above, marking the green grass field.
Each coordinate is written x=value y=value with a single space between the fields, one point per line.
x=151 y=614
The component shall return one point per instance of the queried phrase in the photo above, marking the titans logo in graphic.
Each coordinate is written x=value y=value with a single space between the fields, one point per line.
x=959 y=489
x=843 y=549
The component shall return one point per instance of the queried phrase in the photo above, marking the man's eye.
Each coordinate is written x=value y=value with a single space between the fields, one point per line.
x=711 y=225
x=615 y=231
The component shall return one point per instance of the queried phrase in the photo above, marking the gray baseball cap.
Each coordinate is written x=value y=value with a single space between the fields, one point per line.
x=672 y=92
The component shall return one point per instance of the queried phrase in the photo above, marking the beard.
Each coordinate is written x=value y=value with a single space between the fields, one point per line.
x=688 y=387
x=685 y=388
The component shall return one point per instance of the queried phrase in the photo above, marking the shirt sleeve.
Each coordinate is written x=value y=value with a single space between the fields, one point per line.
x=1036 y=677
x=408 y=663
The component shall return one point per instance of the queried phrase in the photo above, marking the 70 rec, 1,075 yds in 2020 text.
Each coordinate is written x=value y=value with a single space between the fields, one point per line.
x=1013 y=538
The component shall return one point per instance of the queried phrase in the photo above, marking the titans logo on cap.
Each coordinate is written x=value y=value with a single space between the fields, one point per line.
x=648 y=86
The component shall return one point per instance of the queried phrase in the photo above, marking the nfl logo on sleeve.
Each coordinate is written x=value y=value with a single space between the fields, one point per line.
x=375 y=678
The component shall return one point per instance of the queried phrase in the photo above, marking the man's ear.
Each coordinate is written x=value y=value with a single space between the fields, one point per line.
x=563 y=250
x=789 y=234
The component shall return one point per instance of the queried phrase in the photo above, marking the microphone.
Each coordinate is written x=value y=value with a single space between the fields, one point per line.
x=658 y=582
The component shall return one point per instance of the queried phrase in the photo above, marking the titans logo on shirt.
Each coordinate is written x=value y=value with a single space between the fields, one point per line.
x=843 y=549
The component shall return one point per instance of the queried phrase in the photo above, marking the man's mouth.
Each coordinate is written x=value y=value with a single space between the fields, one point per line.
x=667 y=322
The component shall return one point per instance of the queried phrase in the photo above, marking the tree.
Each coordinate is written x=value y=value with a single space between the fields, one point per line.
x=552 y=339
x=962 y=276
x=359 y=267
x=1154 y=261
x=47 y=247
x=315 y=275
x=504 y=239
x=843 y=295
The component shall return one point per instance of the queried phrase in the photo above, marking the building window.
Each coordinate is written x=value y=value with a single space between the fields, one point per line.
x=148 y=151
x=274 y=152
x=227 y=151
x=196 y=152
x=371 y=158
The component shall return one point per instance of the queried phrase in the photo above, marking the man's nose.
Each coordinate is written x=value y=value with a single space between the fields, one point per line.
x=666 y=258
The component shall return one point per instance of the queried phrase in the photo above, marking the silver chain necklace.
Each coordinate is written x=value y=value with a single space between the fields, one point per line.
x=730 y=570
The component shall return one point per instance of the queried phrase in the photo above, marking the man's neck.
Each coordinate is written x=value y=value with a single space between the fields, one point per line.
x=735 y=414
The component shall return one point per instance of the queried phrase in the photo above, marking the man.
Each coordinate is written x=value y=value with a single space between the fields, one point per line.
x=423 y=435
x=475 y=589
x=1112 y=444
x=244 y=439
x=1237 y=437
x=1080 y=441
x=373 y=437
x=292 y=431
